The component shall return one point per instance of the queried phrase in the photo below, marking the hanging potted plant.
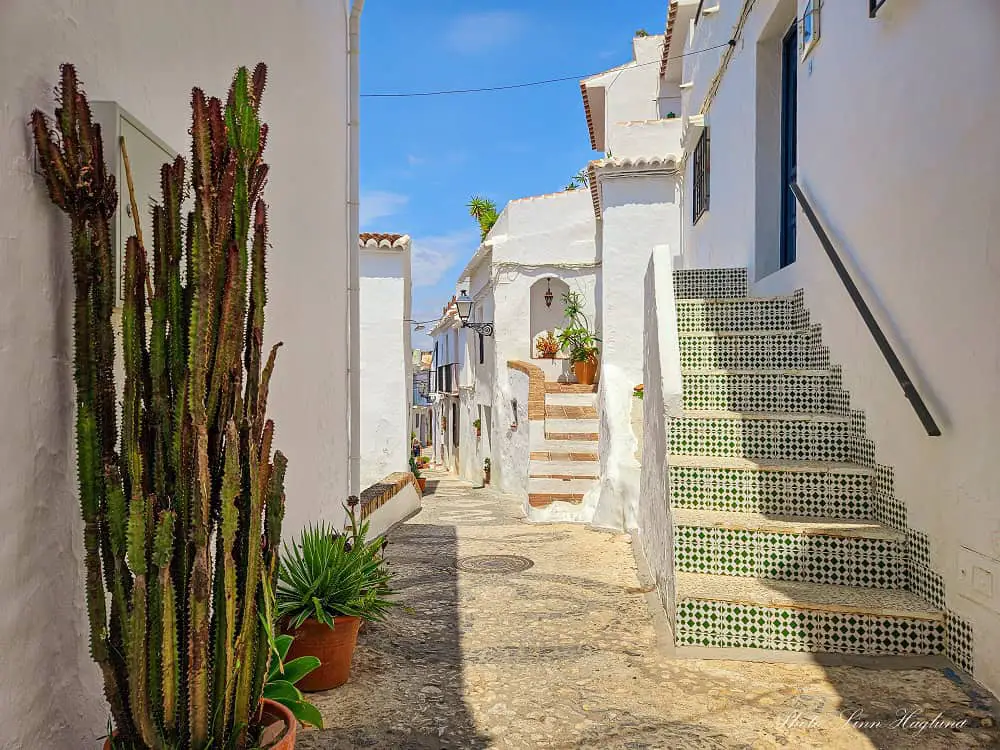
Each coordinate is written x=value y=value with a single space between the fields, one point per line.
x=415 y=471
x=577 y=339
x=478 y=426
x=182 y=515
x=328 y=583
x=547 y=346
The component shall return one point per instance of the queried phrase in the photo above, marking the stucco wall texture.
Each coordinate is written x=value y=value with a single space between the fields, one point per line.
x=147 y=56
x=910 y=201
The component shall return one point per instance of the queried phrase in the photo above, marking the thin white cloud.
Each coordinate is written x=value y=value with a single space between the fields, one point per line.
x=435 y=255
x=415 y=161
x=378 y=204
x=483 y=31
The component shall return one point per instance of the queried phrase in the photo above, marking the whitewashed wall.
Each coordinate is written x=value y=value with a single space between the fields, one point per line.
x=386 y=385
x=900 y=161
x=661 y=401
x=512 y=453
x=147 y=56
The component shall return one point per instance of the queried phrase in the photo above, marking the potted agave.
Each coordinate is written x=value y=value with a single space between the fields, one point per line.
x=328 y=583
x=181 y=491
x=578 y=340
x=417 y=474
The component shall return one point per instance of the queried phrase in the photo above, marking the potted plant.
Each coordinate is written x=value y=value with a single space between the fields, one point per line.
x=415 y=471
x=478 y=427
x=328 y=583
x=182 y=515
x=547 y=346
x=486 y=471
x=578 y=340
x=638 y=392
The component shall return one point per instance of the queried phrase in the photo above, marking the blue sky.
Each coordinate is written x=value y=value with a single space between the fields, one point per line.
x=423 y=157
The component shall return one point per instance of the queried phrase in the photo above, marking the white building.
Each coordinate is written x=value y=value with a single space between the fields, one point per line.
x=386 y=355
x=420 y=406
x=882 y=113
x=448 y=373
x=146 y=57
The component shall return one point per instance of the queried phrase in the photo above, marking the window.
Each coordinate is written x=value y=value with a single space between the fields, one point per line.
x=810 y=27
x=700 y=177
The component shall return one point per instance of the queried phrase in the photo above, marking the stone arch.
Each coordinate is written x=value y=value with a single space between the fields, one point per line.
x=543 y=318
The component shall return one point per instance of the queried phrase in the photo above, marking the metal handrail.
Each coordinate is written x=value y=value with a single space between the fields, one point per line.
x=909 y=389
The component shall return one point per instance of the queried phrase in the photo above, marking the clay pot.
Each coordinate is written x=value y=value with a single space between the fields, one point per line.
x=334 y=647
x=586 y=371
x=271 y=713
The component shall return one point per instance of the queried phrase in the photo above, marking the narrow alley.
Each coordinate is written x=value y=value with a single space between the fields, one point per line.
x=539 y=636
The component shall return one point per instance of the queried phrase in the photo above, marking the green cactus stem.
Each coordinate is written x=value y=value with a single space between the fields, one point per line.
x=182 y=516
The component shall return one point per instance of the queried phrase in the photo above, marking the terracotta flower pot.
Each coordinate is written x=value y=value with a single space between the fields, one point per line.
x=334 y=647
x=422 y=484
x=585 y=371
x=271 y=713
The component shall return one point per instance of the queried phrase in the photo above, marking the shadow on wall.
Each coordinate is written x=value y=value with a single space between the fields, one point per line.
x=411 y=664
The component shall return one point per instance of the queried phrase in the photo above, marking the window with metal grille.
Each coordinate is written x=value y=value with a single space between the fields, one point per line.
x=700 y=177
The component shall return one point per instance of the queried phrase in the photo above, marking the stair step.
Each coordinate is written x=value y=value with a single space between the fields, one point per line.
x=559 y=486
x=568 y=469
x=793 y=348
x=816 y=437
x=563 y=447
x=763 y=390
x=578 y=426
x=729 y=611
x=543 y=500
x=570 y=412
x=571 y=399
x=569 y=388
x=790 y=548
x=778 y=487
x=741 y=314
x=585 y=456
x=699 y=283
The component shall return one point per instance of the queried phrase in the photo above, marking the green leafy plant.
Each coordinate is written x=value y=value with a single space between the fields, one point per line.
x=182 y=516
x=415 y=467
x=577 y=339
x=326 y=574
x=283 y=675
x=580 y=180
x=484 y=211
x=638 y=392
x=641 y=33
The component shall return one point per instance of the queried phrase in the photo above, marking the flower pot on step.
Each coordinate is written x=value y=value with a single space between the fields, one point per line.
x=279 y=727
x=422 y=484
x=586 y=371
x=334 y=647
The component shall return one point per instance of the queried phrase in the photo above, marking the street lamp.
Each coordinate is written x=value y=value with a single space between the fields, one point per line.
x=548 y=293
x=464 y=306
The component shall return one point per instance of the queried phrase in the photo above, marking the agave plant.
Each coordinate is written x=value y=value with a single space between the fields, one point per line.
x=182 y=515
x=484 y=211
x=576 y=338
x=327 y=574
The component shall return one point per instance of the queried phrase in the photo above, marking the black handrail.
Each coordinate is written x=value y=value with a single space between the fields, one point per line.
x=909 y=389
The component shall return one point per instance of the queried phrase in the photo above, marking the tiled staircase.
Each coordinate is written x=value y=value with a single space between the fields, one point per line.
x=775 y=546
x=565 y=466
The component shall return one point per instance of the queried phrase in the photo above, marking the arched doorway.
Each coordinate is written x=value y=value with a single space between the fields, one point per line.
x=546 y=318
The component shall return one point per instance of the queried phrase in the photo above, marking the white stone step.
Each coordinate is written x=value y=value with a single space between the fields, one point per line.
x=572 y=426
x=559 y=486
x=570 y=399
x=733 y=612
x=565 y=446
x=799 y=525
x=564 y=469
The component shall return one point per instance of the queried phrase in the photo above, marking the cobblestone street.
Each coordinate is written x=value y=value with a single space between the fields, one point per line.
x=564 y=654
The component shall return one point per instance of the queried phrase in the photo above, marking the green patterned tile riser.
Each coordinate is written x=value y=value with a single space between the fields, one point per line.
x=747 y=314
x=725 y=624
x=822 y=440
x=789 y=351
x=756 y=392
x=871 y=563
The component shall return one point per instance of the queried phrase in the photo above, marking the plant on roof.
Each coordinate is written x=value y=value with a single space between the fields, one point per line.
x=484 y=211
x=642 y=33
x=580 y=180
x=577 y=339
x=182 y=515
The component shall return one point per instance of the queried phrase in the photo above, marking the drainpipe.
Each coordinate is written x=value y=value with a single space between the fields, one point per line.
x=353 y=272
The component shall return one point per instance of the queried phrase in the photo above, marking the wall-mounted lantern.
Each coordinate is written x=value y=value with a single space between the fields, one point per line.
x=464 y=306
x=548 y=293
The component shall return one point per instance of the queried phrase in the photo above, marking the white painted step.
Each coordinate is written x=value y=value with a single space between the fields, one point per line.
x=580 y=469
x=570 y=399
x=574 y=426
x=559 y=486
x=758 y=522
x=565 y=446
x=767 y=464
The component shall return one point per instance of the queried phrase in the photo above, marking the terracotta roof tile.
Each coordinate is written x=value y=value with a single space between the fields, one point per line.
x=380 y=239
x=668 y=37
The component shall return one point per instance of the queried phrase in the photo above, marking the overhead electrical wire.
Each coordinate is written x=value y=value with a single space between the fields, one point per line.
x=508 y=87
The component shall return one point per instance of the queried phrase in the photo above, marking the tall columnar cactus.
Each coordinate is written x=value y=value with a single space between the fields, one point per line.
x=182 y=515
